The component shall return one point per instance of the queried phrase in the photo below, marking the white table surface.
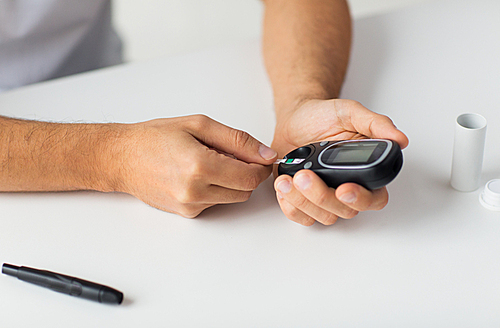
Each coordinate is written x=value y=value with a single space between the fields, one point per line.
x=430 y=258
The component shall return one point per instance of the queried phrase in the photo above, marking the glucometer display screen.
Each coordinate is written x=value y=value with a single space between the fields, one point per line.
x=349 y=153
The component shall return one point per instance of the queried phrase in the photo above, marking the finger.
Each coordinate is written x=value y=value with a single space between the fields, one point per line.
x=361 y=199
x=232 y=141
x=220 y=195
x=317 y=192
x=234 y=174
x=287 y=190
x=292 y=213
x=211 y=194
x=360 y=119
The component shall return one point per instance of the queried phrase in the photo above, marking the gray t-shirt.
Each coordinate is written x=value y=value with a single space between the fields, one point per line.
x=46 y=39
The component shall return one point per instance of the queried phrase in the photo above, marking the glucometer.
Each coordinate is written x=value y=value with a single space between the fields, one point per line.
x=371 y=163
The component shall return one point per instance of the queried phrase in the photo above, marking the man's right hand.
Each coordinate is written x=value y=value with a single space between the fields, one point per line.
x=186 y=164
x=181 y=165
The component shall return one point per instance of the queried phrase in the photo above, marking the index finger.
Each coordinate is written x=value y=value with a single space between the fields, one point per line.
x=231 y=141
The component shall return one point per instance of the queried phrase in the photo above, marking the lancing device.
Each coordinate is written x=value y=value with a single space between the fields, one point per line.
x=65 y=284
x=371 y=163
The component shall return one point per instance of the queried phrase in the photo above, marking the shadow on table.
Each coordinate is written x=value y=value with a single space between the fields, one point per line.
x=262 y=205
x=417 y=197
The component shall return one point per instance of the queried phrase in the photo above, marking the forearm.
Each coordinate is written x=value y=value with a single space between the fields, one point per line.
x=306 y=49
x=41 y=156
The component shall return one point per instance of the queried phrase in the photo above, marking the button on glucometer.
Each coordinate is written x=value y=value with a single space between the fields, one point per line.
x=308 y=165
x=323 y=143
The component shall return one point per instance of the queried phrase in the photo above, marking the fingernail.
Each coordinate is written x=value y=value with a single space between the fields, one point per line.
x=266 y=152
x=303 y=181
x=284 y=186
x=349 y=197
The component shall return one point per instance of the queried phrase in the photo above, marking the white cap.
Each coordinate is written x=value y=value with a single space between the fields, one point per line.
x=490 y=197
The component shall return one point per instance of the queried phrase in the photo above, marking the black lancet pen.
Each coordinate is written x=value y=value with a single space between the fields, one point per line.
x=65 y=284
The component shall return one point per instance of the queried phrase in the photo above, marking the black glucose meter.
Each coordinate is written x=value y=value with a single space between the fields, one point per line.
x=371 y=163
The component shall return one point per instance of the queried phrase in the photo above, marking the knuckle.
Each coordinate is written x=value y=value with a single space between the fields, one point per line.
x=251 y=182
x=379 y=200
x=307 y=221
x=199 y=121
x=388 y=119
x=354 y=102
x=322 y=198
x=381 y=204
x=330 y=219
x=186 y=196
x=296 y=215
x=349 y=214
x=241 y=138
x=189 y=213
x=194 y=170
x=245 y=196
x=183 y=198
x=292 y=212
x=300 y=202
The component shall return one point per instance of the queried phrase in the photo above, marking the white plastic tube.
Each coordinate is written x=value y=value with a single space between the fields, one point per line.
x=468 y=150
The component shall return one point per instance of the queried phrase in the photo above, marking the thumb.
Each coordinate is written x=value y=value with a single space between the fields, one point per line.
x=375 y=125
x=235 y=142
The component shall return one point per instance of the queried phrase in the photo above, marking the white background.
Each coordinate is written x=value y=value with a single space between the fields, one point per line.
x=156 y=28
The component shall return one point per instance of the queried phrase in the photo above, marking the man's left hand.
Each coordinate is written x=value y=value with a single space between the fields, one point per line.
x=305 y=198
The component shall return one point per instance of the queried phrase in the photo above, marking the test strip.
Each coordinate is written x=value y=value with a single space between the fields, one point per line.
x=289 y=161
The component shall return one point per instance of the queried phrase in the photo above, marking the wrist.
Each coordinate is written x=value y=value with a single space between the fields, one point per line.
x=110 y=152
x=287 y=101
